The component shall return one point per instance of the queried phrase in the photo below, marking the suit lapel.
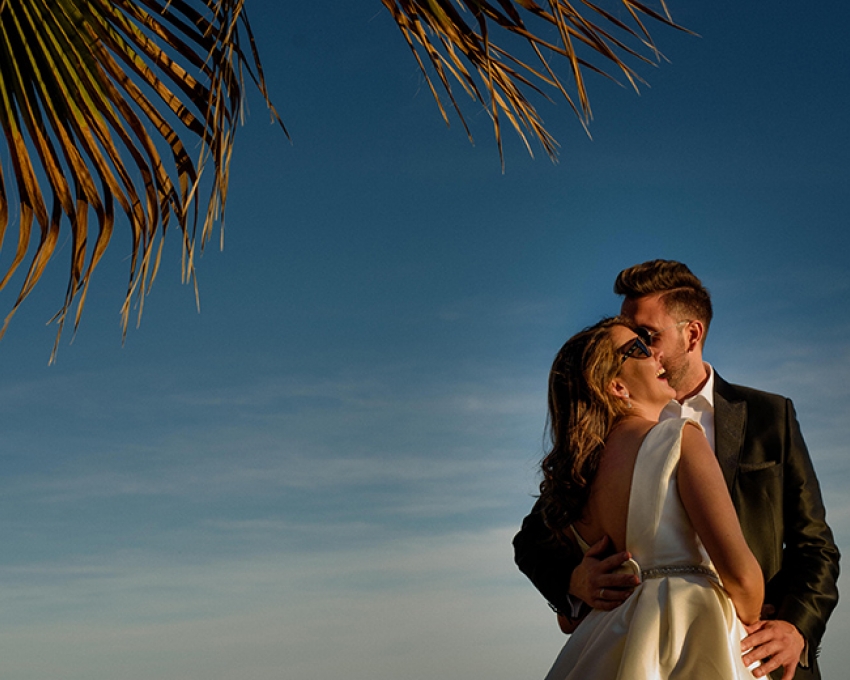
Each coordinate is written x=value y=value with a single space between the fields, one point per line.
x=730 y=420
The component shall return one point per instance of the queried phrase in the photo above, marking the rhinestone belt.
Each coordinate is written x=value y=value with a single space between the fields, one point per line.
x=679 y=570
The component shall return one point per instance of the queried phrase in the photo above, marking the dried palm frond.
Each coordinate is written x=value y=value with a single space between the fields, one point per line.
x=100 y=99
x=97 y=101
x=465 y=49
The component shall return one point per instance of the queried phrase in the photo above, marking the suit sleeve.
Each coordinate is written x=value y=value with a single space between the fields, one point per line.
x=804 y=590
x=545 y=561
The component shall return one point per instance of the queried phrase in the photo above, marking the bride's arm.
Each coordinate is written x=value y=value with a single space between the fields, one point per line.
x=707 y=502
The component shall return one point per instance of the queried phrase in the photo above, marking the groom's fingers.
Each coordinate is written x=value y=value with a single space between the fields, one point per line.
x=610 y=579
x=613 y=562
x=593 y=582
x=775 y=644
x=614 y=589
x=597 y=548
x=611 y=598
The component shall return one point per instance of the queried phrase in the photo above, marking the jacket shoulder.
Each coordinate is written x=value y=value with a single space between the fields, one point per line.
x=732 y=392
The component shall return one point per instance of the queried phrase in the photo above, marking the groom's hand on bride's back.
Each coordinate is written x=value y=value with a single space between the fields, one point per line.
x=594 y=582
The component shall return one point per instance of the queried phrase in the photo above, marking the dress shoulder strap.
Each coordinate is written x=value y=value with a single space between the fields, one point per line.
x=581 y=542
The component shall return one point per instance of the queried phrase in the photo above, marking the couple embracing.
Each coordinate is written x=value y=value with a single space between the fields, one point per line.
x=680 y=530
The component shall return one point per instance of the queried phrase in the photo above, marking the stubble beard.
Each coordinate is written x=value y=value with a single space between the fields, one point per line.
x=676 y=369
x=675 y=373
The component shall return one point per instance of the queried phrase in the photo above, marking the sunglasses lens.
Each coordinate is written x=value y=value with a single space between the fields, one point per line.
x=637 y=350
x=644 y=335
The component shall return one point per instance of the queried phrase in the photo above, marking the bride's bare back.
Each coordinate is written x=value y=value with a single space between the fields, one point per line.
x=705 y=499
x=607 y=509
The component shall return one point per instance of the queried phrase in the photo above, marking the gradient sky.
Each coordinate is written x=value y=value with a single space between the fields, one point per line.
x=320 y=474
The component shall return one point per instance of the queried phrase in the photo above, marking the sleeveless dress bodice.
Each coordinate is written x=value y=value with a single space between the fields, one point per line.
x=679 y=623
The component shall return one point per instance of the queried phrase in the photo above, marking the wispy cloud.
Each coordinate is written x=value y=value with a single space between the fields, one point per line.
x=382 y=612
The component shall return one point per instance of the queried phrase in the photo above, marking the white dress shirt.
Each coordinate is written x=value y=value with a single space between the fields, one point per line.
x=699 y=407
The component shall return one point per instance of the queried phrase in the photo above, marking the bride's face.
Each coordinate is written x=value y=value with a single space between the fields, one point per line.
x=641 y=376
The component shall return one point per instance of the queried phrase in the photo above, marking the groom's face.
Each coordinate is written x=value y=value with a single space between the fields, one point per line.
x=668 y=338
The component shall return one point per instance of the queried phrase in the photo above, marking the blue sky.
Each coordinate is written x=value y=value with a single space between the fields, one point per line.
x=321 y=472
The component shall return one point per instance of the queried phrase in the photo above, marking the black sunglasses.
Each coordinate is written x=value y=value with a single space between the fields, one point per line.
x=636 y=349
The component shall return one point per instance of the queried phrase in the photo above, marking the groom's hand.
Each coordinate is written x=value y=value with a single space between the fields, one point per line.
x=594 y=582
x=774 y=643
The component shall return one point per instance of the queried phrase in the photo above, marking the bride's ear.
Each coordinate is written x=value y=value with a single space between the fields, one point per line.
x=618 y=388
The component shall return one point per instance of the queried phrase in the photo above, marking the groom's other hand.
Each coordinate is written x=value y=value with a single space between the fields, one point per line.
x=774 y=643
x=594 y=582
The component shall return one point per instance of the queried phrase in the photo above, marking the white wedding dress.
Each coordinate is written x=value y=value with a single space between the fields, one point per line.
x=679 y=623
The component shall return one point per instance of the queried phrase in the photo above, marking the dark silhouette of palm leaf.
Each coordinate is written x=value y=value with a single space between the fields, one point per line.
x=100 y=100
x=456 y=37
x=97 y=101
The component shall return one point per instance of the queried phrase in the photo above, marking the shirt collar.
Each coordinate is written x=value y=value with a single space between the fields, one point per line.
x=707 y=391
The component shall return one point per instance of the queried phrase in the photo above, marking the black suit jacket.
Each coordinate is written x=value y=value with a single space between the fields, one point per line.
x=777 y=496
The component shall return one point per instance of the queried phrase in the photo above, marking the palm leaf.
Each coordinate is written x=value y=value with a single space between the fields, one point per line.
x=97 y=102
x=455 y=33
x=100 y=99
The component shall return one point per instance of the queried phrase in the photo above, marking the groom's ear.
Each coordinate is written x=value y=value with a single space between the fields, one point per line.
x=695 y=334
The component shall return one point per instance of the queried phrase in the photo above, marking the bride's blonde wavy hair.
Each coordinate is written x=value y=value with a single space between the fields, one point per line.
x=582 y=412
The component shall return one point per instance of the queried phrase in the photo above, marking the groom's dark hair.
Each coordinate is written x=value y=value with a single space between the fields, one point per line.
x=684 y=295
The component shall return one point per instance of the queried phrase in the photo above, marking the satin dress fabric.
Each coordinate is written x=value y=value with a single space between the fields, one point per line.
x=679 y=623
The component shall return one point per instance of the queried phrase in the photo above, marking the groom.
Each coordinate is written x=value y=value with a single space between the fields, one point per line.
x=757 y=440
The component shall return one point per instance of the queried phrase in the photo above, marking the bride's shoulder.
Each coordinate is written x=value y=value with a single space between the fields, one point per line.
x=631 y=424
x=628 y=434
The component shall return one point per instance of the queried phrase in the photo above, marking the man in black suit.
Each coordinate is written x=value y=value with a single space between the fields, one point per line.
x=757 y=440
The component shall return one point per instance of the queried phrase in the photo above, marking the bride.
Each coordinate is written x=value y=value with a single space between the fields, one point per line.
x=657 y=492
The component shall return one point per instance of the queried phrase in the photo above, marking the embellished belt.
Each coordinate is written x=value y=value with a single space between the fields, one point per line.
x=680 y=570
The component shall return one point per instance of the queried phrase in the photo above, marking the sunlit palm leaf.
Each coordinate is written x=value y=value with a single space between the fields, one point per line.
x=98 y=100
x=456 y=38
